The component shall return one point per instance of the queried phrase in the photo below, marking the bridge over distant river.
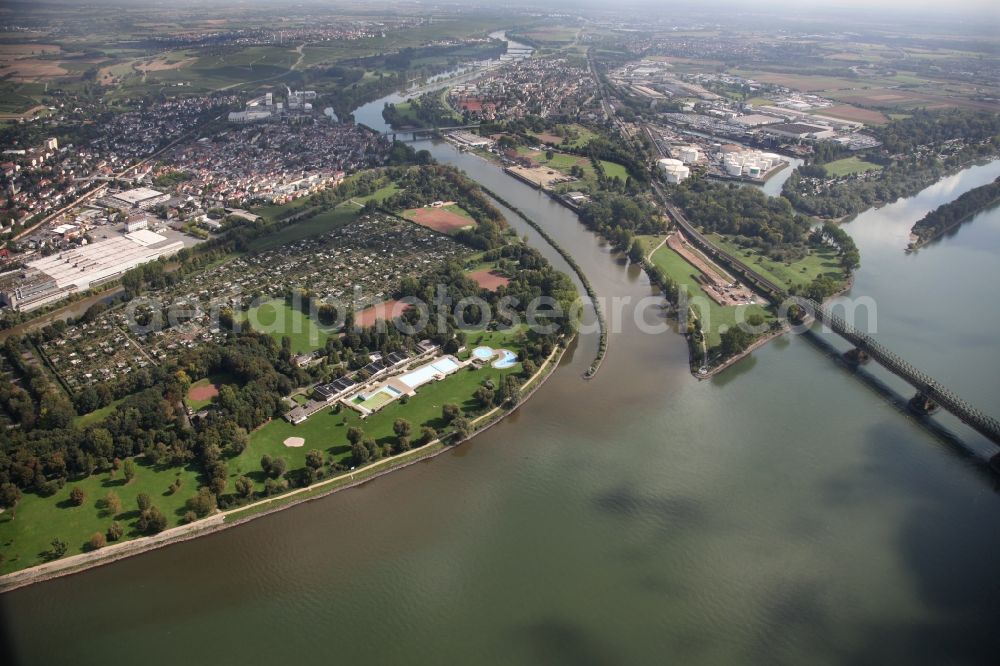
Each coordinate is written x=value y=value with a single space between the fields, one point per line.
x=930 y=393
x=421 y=133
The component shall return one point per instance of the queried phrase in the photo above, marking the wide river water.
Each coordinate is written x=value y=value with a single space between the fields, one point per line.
x=787 y=511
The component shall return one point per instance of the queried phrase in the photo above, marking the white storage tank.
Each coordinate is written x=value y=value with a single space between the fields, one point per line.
x=677 y=173
x=667 y=163
x=689 y=154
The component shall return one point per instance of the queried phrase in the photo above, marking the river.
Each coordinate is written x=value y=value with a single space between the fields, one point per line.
x=783 y=512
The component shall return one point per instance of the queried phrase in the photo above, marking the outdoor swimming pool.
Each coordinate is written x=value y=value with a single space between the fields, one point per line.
x=507 y=360
x=426 y=373
x=483 y=353
x=445 y=366
x=418 y=377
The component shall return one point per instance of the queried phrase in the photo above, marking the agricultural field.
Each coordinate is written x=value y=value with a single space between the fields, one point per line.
x=550 y=35
x=17 y=98
x=848 y=112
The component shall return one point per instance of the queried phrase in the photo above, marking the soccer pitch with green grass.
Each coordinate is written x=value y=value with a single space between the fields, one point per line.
x=614 y=170
x=27 y=533
x=278 y=319
x=713 y=315
x=849 y=165
x=819 y=262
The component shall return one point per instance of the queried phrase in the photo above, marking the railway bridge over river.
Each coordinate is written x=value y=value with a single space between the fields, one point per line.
x=930 y=393
x=420 y=133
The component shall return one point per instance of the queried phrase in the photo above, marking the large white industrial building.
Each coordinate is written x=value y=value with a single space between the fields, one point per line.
x=141 y=197
x=51 y=278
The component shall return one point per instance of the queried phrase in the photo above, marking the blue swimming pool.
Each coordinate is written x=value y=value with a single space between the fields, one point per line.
x=507 y=359
x=483 y=353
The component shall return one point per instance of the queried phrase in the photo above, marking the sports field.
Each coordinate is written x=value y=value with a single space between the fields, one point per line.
x=201 y=394
x=278 y=319
x=446 y=219
x=614 y=170
x=376 y=401
x=488 y=279
x=849 y=165
x=385 y=311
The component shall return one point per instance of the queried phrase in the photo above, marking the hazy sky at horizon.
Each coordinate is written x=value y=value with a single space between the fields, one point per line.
x=980 y=9
x=804 y=7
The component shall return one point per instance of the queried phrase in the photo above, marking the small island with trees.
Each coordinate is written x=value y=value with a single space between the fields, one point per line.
x=948 y=216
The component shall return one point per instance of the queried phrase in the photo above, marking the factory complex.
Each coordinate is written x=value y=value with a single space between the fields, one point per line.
x=59 y=275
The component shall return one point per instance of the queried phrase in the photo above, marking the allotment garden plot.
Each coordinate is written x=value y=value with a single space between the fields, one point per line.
x=358 y=264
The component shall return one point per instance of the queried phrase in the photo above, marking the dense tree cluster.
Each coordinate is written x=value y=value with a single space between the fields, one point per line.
x=619 y=217
x=741 y=211
x=923 y=128
x=948 y=215
x=427 y=110
x=47 y=450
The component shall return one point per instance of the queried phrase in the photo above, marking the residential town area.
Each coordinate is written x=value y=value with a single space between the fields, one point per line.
x=541 y=87
x=151 y=182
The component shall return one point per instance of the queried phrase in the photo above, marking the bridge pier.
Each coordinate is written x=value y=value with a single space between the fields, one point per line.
x=857 y=356
x=922 y=405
